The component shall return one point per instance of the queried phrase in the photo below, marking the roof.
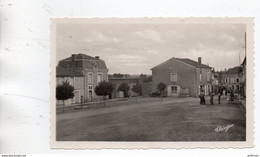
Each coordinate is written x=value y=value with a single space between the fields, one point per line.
x=62 y=72
x=190 y=62
x=244 y=61
x=235 y=70
x=83 y=61
x=82 y=56
x=193 y=63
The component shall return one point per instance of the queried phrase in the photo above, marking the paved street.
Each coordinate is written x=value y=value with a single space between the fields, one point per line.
x=150 y=119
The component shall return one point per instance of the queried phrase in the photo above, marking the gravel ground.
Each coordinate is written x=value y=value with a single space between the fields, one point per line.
x=172 y=119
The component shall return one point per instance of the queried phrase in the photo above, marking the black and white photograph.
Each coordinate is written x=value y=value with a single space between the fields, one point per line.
x=153 y=81
x=129 y=78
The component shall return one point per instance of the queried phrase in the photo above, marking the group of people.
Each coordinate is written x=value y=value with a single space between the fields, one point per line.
x=230 y=98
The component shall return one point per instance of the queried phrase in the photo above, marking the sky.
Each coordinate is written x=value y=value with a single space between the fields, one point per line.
x=135 y=48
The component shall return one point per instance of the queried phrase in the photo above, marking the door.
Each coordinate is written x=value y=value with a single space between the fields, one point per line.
x=76 y=96
x=201 y=88
x=90 y=92
x=209 y=89
x=174 y=90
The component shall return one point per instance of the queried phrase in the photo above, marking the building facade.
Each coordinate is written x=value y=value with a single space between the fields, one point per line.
x=183 y=77
x=93 y=69
x=75 y=79
x=232 y=79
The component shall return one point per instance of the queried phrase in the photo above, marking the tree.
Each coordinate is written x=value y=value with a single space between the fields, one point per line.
x=64 y=91
x=137 y=89
x=124 y=88
x=118 y=75
x=149 y=79
x=103 y=89
x=161 y=88
x=143 y=77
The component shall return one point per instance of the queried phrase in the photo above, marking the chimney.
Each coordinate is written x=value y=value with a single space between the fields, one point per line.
x=199 y=60
x=73 y=61
x=97 y=57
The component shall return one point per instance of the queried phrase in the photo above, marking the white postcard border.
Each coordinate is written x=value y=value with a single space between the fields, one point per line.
x=249 y=143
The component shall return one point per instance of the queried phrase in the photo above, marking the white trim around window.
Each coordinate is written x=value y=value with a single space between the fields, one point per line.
x=90 y=77
x=174 y=77
x=99 y=77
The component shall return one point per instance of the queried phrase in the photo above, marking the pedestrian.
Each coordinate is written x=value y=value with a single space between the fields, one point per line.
x=200 y=96
x=211 y=98
x=81 y=101
x=232 y=97
x=219 y=96
x=203 y=97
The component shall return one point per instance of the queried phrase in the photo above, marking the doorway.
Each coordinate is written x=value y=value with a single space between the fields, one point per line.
x=90 y=92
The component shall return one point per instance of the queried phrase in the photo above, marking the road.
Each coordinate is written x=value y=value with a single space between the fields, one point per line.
x=172 y=119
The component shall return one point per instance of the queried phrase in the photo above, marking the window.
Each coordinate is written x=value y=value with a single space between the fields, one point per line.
x=237 y=80
x=90 y=78
x=226 y=80
x=174 y=89
x=173 y=77
x=90 y=88
x=94 y=64
x=67 y=79
x=99 y=77
x=232 y=80
x=208 y=76
x=78 y=64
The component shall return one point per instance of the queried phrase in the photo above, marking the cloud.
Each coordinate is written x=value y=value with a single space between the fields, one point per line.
x=175 y=34
x=98 y=37
x=127 y=59
x=148 y=34
x=227 y=38
x=135 y=48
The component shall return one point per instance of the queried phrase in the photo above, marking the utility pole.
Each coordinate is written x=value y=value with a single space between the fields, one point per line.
x=245 y=44
x=239 y=60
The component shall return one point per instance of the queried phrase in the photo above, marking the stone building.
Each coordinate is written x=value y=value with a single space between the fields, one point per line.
x=74 y=78
x=232 y=79
x=93 y=69
x=183 y=77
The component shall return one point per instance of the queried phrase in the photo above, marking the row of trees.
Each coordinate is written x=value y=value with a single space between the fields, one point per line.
x=66 y=91
x=143 y=77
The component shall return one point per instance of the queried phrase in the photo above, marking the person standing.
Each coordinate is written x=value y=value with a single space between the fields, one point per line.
x=219 y=97
x=203 y=97
x=232 y=97
x=211 y=98
x=224 y=93
x=81 y=101
x=200 y=96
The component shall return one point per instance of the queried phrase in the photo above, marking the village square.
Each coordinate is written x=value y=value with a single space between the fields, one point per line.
x=155 y=81
x=164 y=106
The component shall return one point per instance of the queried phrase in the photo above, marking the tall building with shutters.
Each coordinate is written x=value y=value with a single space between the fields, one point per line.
x=93 y=70
x=183 y=77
